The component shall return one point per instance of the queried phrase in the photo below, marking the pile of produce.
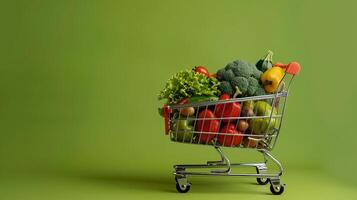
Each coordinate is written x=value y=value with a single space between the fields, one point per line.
x=219 y=122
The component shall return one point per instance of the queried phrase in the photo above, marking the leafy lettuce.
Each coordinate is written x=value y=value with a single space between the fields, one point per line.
x=188 y=83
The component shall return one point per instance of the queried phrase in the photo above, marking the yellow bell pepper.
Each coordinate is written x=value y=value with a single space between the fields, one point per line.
x=271 y=78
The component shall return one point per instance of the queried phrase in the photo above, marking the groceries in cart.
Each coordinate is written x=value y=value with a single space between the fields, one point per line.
x=241 y=105
x=204 y=108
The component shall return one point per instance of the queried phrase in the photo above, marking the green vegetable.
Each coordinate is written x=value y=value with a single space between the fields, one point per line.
x=219 y=74
x=260 y=91
x=240 y=82
x=242 y=69
x=227 y=75
x=196 y=99
x=256 y=73
x=262 y=125
x=182 y=131
x=225 y=87
x=266 y=62
x=229 y=66
x=253 y=86
x=239 y=74
x=186 y=84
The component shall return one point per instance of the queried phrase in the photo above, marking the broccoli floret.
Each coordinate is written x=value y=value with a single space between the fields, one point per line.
x=256 y=73
x=241 y=75
x=253 y=86
x=230 y=66
x=260 y=91
x=227 y=75
x=240 y=82
x=219 y=74
x=225 y=87
x=242 y=68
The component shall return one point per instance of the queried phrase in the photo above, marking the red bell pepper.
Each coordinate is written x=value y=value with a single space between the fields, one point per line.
x=227 y=109
x=228 y=140
x=209 y=126
x=279 y=64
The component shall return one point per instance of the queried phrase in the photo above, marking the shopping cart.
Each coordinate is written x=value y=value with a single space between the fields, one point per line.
x=261 y=135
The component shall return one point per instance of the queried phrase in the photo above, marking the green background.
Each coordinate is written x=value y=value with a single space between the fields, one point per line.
x=79 y=83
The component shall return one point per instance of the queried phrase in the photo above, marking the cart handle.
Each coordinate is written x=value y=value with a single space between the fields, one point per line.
x=293 y=68
x=167 y=112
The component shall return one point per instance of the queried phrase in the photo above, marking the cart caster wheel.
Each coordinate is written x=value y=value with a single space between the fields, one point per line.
x=183 y=188
x=263 y=181
x=277 y=190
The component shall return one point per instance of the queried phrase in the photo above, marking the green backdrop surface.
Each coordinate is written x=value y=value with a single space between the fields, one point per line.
x=79 y=83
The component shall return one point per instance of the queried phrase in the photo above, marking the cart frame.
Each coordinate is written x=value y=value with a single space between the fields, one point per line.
x=223 y=166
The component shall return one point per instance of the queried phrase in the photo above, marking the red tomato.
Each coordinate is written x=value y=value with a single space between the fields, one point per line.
x=201 y=70
x=233 y=139
x=210 y=127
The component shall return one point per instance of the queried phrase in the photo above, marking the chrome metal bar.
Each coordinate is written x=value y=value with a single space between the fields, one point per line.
x=224 y=174
x=241 y=99
x=225 y=158
x=213 y=165
x=274 y=160
x=231 y=118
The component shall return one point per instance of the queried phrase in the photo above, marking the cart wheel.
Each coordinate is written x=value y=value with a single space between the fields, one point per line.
x=277 y=190
x=183 y=188
x=263 y=181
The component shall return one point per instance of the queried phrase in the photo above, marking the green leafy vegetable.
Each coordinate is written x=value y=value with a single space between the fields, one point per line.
x=188 y=83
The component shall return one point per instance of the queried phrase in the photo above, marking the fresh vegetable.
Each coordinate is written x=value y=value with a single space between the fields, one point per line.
x=219 y=74
x=195 y=99
x=239 y=74
x=187 y=84
x=262 y=125
x=207 y=125
x=241 y=68
x=227 y=110
x=240 y=82
x=271 y=78
x=256 y=73
x=233 y=139
x=253 y=85
x=214 y=75
x=226 y=88
x=247 y=109
x=242 y=125
x=201 y=70
x=182 y=131
x=279 y=64
x=228 y=75
x=260 y=91
x=189 y=111
x=266 y=62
